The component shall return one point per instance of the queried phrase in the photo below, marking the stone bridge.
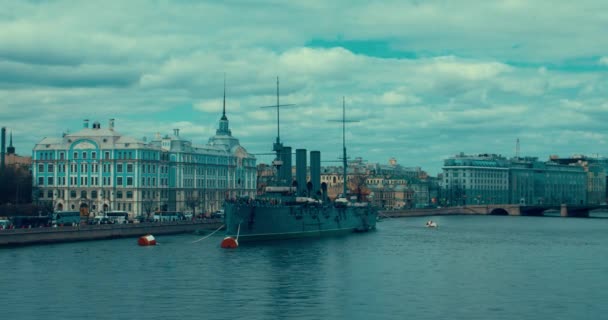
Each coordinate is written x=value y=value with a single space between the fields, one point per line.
x=501 y=209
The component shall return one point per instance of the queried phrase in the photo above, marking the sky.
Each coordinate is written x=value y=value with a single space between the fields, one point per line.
x=424 y=80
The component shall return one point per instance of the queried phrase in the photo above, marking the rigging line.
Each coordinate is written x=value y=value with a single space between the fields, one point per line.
x=209 y=235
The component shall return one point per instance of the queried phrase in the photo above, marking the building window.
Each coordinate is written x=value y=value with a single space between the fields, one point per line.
x=61 y=156
x=83 y=194
x=94 y=194
x=50 y=194
x=75 y=155
x=119 y=168
x=129 y=167
x=129 y=181
x=129 y=194
x=51 y=168
x=119 y=194
x=93 y=155
x=50 y=181
x=119 y=181
x=40 y=181
x=84 y=155
x=41 y=167
x=106 y=155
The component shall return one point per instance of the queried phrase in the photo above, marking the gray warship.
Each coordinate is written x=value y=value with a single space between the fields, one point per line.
x=297 y=208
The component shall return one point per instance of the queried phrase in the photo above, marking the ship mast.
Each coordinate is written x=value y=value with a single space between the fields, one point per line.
x=344 y=157
x=277 y=147
x=344 y=162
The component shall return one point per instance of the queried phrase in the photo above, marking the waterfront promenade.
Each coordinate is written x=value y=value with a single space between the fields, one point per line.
x=85 y=232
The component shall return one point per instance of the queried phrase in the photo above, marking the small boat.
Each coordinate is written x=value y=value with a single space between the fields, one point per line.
x=431 y=224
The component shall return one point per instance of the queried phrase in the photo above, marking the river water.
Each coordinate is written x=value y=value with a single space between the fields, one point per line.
x=471 y=267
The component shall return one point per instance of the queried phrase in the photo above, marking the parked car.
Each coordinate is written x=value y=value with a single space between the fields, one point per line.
x=5 y=224
x=218 y=214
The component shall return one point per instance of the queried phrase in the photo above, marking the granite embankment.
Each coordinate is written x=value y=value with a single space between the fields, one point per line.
x=17 y=237
x=425 y=212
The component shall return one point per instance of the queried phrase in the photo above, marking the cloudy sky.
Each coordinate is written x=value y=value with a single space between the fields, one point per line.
x=425 y=79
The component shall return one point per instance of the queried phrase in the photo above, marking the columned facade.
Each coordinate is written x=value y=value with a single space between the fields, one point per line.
x=97 y=169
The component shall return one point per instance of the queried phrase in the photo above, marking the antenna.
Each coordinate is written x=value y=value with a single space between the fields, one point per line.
x=517 y=148
x=344 y=158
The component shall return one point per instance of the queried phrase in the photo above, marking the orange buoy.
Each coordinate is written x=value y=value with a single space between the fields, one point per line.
x=147 y=240
x=229 y=243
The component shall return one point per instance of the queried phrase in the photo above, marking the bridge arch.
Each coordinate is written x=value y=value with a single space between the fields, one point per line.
x=499 y=212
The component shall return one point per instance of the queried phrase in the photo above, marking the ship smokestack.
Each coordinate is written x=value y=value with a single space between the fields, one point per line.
x=3 y=151
x=315 y=172
x=285 y=170
x=301 y=170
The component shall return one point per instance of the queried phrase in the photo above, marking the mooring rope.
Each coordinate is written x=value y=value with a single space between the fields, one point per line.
x=209 y=235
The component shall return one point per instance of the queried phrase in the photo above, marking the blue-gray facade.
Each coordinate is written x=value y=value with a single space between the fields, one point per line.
x=493 y=179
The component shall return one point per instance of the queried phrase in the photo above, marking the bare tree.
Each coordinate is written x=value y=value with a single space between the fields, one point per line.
x=194 y=200
x=358 y=186
x=148 y=206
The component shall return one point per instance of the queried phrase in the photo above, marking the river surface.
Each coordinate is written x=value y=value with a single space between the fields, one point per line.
x=471 y=267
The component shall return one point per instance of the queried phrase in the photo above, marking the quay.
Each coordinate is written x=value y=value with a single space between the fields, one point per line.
x=46 y=235
x=580 y=211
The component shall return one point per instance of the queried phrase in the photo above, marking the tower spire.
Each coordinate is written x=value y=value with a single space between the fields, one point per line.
x=224 y=105
x=224 y=128
x=10 y=149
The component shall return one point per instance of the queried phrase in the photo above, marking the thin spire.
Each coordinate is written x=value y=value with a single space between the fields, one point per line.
x=10 y=149
x=224 y=106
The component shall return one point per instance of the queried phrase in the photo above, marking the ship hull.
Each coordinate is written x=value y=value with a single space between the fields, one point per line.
x=259 y=222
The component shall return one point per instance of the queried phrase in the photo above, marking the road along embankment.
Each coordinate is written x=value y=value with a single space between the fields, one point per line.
x=97 y=232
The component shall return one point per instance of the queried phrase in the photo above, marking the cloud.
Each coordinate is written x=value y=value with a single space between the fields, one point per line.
x=424 y=79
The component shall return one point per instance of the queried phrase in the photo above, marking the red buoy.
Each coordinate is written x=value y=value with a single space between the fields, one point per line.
x=147 y=240
x=229 y=243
